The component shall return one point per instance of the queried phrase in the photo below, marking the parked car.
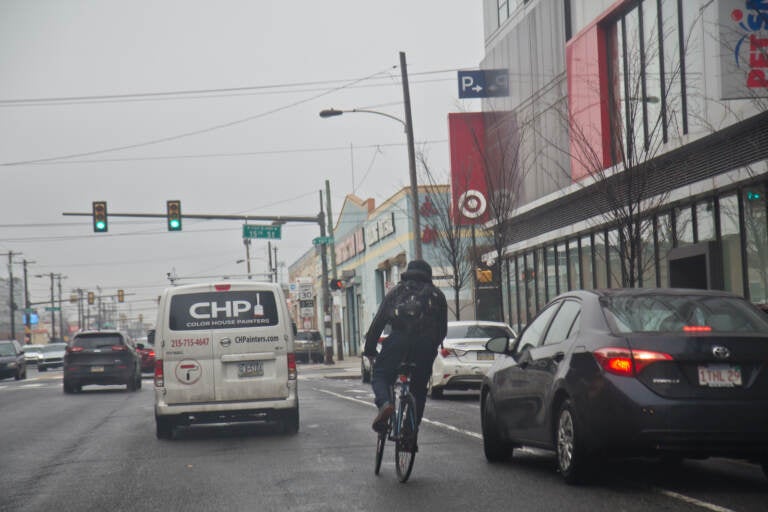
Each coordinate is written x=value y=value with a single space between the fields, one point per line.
x=32 y=353
x=101 y=357
x=631 y=372
x=146 y=350
x=308 y=345
x=463 y=359
x=12 y=363
x=365 y=364
x=51 y=356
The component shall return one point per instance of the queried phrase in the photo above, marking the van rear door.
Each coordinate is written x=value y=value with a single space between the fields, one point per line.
x=188 y=350
x=250 y=343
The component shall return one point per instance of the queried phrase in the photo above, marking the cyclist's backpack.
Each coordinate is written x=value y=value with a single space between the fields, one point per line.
x=412 y=306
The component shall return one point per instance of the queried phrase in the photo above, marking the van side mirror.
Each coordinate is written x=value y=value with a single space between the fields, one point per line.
x=498 y=345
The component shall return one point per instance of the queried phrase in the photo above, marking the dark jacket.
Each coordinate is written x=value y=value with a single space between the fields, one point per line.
x=433 y=328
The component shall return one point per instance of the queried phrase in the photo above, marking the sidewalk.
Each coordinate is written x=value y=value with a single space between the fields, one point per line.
x=349 y=368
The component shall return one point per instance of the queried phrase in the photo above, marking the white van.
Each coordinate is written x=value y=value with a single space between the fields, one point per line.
x=224 y=354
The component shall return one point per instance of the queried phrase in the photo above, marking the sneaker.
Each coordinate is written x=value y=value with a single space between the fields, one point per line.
x=382 y=419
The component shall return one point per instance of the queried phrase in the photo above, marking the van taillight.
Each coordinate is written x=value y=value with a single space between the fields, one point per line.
x=159 y=377
x=291 y=366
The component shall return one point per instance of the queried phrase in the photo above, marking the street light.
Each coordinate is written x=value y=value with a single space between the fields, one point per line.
x=408 y=125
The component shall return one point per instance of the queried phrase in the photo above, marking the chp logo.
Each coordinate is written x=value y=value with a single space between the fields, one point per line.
x=188 y=371
x=472 y=204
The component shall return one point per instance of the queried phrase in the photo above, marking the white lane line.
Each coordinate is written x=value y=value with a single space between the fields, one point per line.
x=31 y=385
x=692 y=501
x=475 y=435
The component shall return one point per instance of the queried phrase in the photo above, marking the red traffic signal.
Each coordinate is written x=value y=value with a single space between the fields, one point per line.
x=337 y=284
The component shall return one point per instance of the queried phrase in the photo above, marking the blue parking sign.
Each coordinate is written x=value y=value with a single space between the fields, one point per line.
x=483 y=83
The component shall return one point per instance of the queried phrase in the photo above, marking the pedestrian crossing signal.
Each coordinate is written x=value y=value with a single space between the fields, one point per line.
x=91 y=298
x=337 y=284
x=100 y=217
x=120 y=296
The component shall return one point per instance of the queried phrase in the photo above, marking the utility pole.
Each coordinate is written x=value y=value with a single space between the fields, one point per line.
x=274 y=268
x=339 y=341
x=27 y=305
x=53 y=311
x=411 y=158
x=61 y=310
x=325 y=294
x=11 y=303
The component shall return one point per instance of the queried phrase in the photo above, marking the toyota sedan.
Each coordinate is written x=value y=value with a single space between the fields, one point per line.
x=631 y=372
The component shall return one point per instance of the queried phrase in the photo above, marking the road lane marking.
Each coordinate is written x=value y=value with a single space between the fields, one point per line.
x=692 y=501
x=475 y=435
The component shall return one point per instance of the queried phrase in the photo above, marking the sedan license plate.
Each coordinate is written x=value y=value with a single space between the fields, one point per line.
x=485 y=356
x=720 y=376
x=250 y=369
x=97 y=369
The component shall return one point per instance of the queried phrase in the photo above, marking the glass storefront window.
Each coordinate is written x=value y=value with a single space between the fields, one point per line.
x=614 y=260
x=541 y=279
x=647 y=267
x=514 y=294
x=756 y=231
x=601 y=265
x=672 y=67
x=562 y=268
x=705 y=220
x=586 y=262
x=573 y=265
x=684 y=225
x=551 y=275
x=664 y=236
x=729 y=230
x=529 y=276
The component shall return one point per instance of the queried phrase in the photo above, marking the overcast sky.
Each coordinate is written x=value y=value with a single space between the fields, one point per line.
x=81 y=119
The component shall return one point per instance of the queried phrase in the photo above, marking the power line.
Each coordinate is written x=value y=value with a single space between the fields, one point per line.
x=193 y=132
x=223 y=90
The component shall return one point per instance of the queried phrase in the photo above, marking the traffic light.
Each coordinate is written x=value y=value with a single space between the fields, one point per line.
x=174 y=215
x=100 y=217
x=91 y=298
x=337 y=284
x=120 y=296
x=753 y=195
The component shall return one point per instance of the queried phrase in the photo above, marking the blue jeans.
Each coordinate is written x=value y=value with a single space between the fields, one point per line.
x=393 y=352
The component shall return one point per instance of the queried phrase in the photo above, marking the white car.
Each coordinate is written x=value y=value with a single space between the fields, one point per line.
x=463 y=360
x=32 y=353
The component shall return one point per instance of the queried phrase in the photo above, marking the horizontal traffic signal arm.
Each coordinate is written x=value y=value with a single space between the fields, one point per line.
x=319 y=218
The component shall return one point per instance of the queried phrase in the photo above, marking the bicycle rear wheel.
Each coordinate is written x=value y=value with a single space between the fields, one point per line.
x=405 y=446
x=380 y=442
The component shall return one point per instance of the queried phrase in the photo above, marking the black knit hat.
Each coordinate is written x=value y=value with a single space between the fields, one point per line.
x=418 y=269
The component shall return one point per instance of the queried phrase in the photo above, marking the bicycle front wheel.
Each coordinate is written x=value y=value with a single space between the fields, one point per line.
x=380 y=442
x=405 y=446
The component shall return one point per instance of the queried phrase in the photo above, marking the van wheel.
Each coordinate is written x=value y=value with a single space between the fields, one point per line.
x=164 y=427
x=291 y=422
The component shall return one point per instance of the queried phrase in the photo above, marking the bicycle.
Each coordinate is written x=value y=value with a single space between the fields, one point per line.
x=402 y=428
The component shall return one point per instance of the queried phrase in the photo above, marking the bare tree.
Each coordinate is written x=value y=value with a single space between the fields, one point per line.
x=623 y=169
x=449 y=237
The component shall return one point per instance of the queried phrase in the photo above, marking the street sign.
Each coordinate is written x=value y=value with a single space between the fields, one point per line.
x=483 y=83
x=305 y=291
x=54 y=308
x=261 y=231
x=320 y=240
x=30 y=310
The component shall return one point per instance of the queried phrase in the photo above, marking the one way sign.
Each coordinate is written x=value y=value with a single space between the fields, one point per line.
x=483 y=83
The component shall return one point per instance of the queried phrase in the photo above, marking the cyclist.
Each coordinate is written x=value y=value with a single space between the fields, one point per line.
x=423 y=340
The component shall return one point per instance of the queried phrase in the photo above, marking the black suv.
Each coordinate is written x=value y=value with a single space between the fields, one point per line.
x=101 y=357
x=12 y=362
x=308 y=346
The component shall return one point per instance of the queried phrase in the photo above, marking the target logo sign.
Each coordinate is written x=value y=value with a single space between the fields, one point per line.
x=472 y=204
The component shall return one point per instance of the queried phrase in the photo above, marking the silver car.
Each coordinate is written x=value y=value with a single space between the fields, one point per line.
x=32 y=353
x=52 y=356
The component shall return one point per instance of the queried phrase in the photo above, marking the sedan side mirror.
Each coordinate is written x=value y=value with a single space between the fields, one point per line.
x=498 y=345
x=140 y=346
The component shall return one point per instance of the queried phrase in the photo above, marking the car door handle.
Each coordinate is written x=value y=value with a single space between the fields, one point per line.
x=559 y=356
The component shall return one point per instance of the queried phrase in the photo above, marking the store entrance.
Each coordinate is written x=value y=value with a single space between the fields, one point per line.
x=696 y=266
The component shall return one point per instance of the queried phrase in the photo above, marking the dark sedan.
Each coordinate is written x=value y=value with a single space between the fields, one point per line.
x=101 y=357
x=632 y=372
x=12 y=362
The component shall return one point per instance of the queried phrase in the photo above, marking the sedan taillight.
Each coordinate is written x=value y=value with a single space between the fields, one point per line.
x=448 y=352
x=159 y=376
x=119 y=348
x=626 y=362
x=70 y=349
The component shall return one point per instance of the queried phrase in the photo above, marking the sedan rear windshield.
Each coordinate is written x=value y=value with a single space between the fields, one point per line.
x=676 y=313
x=477 y=331
x=309 y=335
x=6 y=349
x=98 y=341
x=58 y=347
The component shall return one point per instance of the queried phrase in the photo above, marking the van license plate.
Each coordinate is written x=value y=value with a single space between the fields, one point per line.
x=719 y=376
x=250 y=369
